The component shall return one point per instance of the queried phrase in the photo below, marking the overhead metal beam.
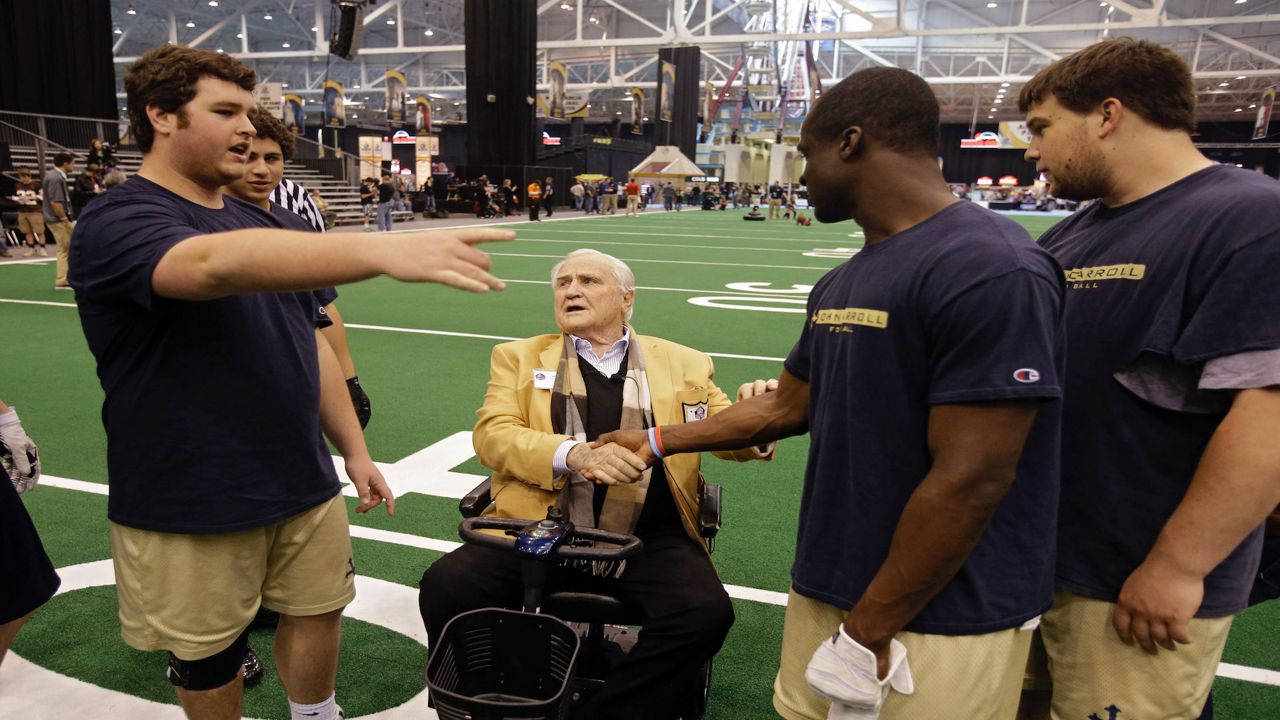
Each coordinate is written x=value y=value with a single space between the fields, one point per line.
x=979 y=19
x=382 y=10
x=637 y=18
x=221 y=24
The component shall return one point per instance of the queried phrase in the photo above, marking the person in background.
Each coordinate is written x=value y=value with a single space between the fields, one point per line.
x=30 y=198
x=368 y=201
x=58 y=216
x=534 y=195
x=101 y=154
x=87 y=187
x=576 y=191
x=548 y=193
x=386 y=198
x=633 y=197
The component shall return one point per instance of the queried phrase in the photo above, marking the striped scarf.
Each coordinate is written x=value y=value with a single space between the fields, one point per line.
x=624 y=502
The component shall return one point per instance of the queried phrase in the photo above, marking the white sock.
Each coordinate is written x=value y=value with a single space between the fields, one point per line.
x=326 y=709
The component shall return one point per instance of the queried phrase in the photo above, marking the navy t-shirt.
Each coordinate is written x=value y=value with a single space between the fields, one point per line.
x=324 y=296
x=960 y=308
x=1187 y=274
x=212 y=407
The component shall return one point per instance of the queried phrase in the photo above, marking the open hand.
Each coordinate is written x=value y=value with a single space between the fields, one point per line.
x=448 y=257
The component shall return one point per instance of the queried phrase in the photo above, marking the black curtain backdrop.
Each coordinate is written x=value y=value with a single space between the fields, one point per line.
x=56 y=58
x=965 y=165
x=501 y=37
x=686 y=100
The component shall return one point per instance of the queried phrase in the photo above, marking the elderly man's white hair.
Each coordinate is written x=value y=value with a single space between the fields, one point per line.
x=626 y=278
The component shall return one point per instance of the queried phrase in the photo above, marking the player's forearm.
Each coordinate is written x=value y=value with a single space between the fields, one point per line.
x=336 y=334
x=1235 y=488
x=206 y=267
x=755 y=421
x=938 y=529
x=337 y=416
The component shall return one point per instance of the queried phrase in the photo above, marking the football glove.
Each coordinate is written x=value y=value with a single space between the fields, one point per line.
x=364 y=410
x=844 y=672
x=18 y=454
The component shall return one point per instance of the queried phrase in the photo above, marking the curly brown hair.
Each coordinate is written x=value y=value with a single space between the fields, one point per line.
x=272 y=128
x=1150 y=80
x=166 y=77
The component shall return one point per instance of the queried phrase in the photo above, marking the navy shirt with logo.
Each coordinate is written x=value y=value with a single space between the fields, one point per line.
x=211 y=407
x=961 y=308
x=1184 y=275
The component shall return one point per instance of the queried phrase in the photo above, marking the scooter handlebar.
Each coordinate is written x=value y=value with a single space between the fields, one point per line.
x=621 y=546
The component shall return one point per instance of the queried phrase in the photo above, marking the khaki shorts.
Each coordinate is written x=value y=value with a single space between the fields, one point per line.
x=1092 y=669
x=194 y=594
x=32 y=224
x=960 y=676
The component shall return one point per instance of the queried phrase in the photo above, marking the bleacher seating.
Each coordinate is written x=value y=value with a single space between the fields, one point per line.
x=344 y=199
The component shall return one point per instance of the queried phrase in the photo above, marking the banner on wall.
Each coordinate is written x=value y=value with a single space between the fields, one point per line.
x=422 y=116
x=270 y=97
x=558 y=77
x=371 y=156
x=295 y=117
x=637 y=111
x=425 y=147
x=575 y=104
x=396 y=86
x=1264 y=113
x=666 y=92
x=335 y=107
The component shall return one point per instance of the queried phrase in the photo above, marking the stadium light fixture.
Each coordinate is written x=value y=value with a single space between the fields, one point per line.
x=131 y=11
x=391 y=21
x=992 y=5
x=285 y=44
x=1253 y=105
x=1004 y=85
x=239 y=36
x=1239 y=77
x=564 y=5
x=1224 y=83
x=428 y=32
x=119 y=31
x=267 y=17
x=190 y=23
x=213 y=3
x=1239 y=110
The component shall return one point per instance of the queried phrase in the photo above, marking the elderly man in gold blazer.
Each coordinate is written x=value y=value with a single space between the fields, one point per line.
x=549 y=396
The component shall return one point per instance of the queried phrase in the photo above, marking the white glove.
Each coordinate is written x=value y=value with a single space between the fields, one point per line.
x=844 y=672
x=18 y=453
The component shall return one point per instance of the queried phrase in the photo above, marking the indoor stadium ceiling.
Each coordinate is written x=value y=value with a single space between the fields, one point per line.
x=969 y=50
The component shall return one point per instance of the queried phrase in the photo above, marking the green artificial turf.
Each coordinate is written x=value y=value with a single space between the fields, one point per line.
x=426 y=387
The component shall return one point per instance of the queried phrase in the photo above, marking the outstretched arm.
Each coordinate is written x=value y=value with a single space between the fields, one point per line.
x=205 y=267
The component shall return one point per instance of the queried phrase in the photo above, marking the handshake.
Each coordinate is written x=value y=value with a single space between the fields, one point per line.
x=622 y=456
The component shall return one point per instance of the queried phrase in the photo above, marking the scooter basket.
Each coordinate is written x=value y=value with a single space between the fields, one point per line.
x=497 y=664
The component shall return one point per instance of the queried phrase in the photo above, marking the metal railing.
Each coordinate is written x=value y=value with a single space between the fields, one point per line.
x=16 y=135
x=73 y=133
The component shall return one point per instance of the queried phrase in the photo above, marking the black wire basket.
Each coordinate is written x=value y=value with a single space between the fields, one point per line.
x=497 y=664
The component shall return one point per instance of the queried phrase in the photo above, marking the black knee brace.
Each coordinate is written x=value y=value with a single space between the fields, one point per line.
x=211 y=672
